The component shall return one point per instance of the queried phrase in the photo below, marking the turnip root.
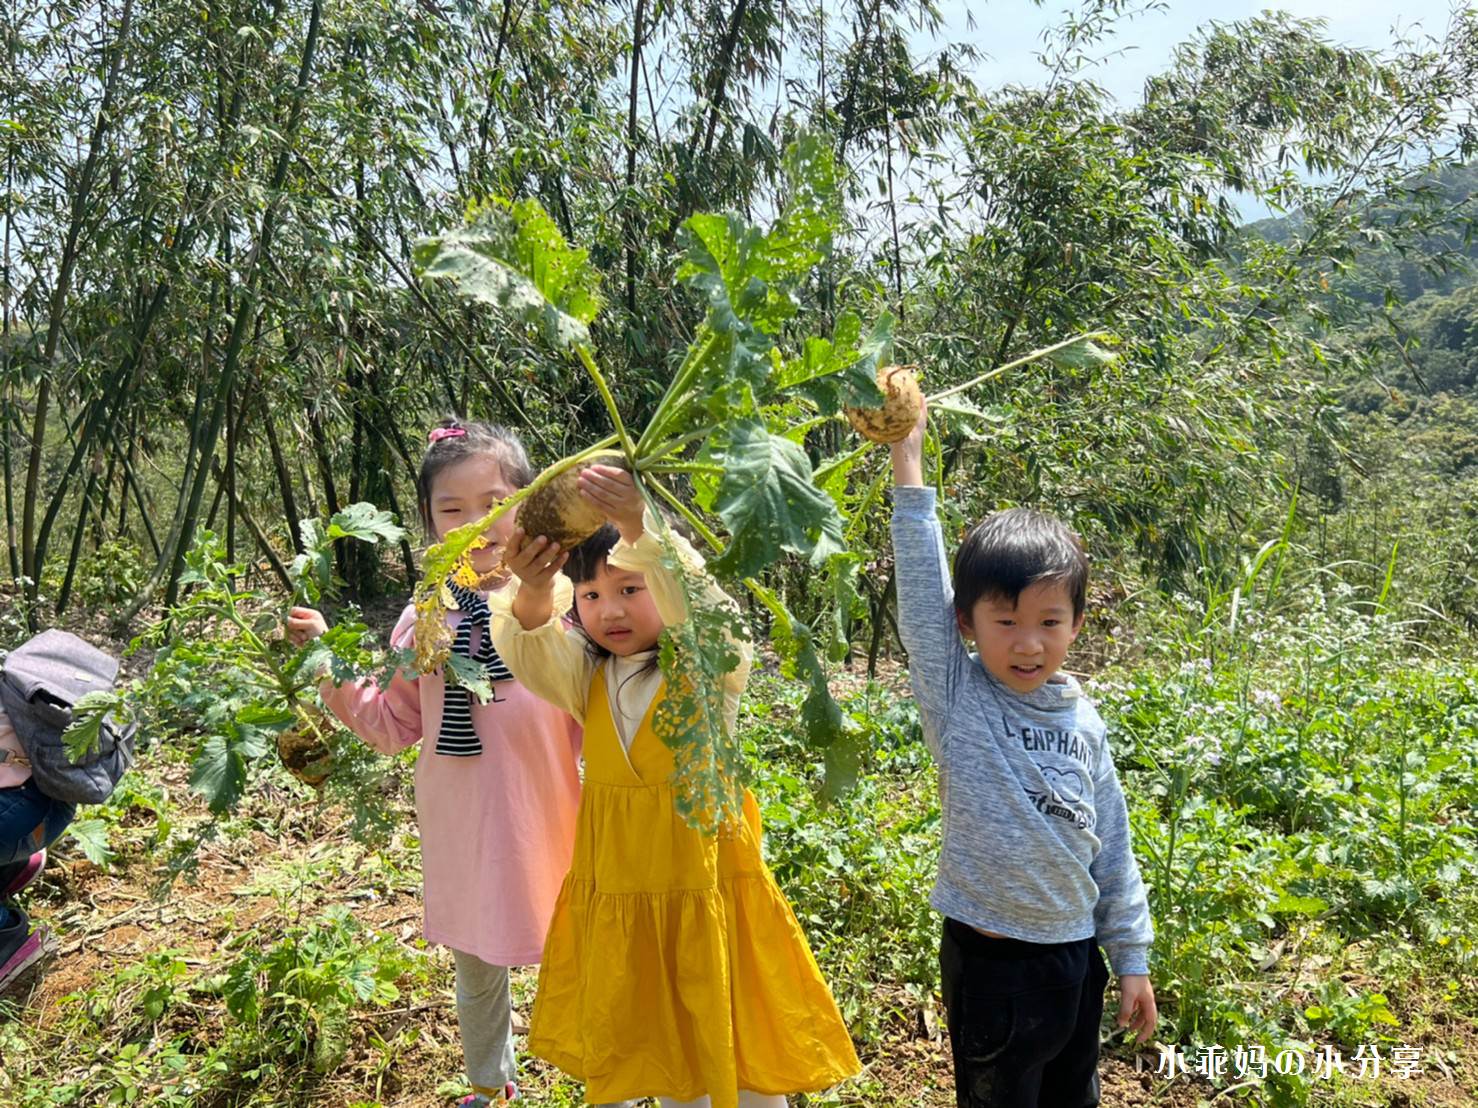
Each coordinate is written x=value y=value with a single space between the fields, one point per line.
x=558 y=511
x=305 y=752
x=902 y=402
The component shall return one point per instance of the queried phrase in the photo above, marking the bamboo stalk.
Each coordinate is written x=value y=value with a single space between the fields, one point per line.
x=56 y=314
x=65 y=594
x=284 y=479
x=1021 y=361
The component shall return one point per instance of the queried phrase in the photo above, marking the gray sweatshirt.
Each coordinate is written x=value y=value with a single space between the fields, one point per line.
x=1036 y=836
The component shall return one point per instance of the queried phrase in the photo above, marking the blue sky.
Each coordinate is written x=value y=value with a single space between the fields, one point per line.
x=1009 y=31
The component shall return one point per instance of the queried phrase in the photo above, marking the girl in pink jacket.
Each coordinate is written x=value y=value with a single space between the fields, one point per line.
x=497 y=784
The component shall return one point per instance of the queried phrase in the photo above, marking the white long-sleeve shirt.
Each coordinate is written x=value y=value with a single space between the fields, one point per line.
x=555 y=661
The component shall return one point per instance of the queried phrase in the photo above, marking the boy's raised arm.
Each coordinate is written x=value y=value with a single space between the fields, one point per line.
x=908 y=456
x=926 y=619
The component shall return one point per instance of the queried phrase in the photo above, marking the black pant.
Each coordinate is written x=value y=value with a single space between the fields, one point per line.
x=1023 y=1019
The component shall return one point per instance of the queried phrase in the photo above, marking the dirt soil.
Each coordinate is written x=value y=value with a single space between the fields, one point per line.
x=288 y=858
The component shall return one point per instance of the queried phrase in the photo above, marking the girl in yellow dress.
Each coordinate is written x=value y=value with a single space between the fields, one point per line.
x=674 y=967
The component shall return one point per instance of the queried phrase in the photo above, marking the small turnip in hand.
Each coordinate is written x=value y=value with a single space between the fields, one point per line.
x=902 y=402
x=558 y=511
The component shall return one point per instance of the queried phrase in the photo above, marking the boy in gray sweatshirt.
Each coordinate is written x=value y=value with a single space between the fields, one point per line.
x=1036 y=871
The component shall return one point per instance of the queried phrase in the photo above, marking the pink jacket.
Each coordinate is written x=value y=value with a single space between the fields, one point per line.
x=497 y=829
x=12 y=772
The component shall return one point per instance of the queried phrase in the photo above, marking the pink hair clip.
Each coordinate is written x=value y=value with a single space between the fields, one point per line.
x=440 y=433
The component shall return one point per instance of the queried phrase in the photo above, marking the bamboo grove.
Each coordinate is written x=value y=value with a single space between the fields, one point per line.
x=211 y=315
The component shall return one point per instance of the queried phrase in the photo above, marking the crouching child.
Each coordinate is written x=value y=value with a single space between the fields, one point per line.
x=41 y=681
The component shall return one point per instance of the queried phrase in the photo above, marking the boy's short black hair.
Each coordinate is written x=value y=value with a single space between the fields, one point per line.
x=1010 y=551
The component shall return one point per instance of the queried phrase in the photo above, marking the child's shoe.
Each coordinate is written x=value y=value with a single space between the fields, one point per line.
x=482 y=1100
x=17 y=875
x=20 y=949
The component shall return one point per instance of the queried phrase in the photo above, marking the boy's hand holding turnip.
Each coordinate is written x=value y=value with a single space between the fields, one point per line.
x=908 y=452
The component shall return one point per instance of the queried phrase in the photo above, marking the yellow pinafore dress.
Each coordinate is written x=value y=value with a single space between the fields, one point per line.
x=674 y=965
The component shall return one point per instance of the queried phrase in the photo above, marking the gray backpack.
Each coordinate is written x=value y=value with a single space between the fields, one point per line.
x=41 y=680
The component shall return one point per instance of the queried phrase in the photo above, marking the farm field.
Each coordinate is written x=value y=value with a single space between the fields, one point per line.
x=287 y=967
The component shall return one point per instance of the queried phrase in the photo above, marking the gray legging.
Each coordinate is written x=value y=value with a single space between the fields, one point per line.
x=485 y=1015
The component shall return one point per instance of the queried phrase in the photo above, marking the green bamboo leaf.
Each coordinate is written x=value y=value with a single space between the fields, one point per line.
x=512 y=257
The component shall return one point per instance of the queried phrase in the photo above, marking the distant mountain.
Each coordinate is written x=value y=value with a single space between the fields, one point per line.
x=1436 y=264
x=1425 y=378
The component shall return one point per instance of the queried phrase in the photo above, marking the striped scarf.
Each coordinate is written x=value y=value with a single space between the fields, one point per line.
x=457 y=739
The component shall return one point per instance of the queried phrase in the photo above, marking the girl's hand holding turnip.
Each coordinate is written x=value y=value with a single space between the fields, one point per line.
x=497 y=782
x=613 y=492
x=536 y=561
x=304 y=625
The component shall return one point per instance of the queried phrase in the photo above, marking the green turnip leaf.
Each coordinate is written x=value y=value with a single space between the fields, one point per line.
x=365 y=522
x=768 y=501
x=695 y=656
x=512 y=257
x=841 y=371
